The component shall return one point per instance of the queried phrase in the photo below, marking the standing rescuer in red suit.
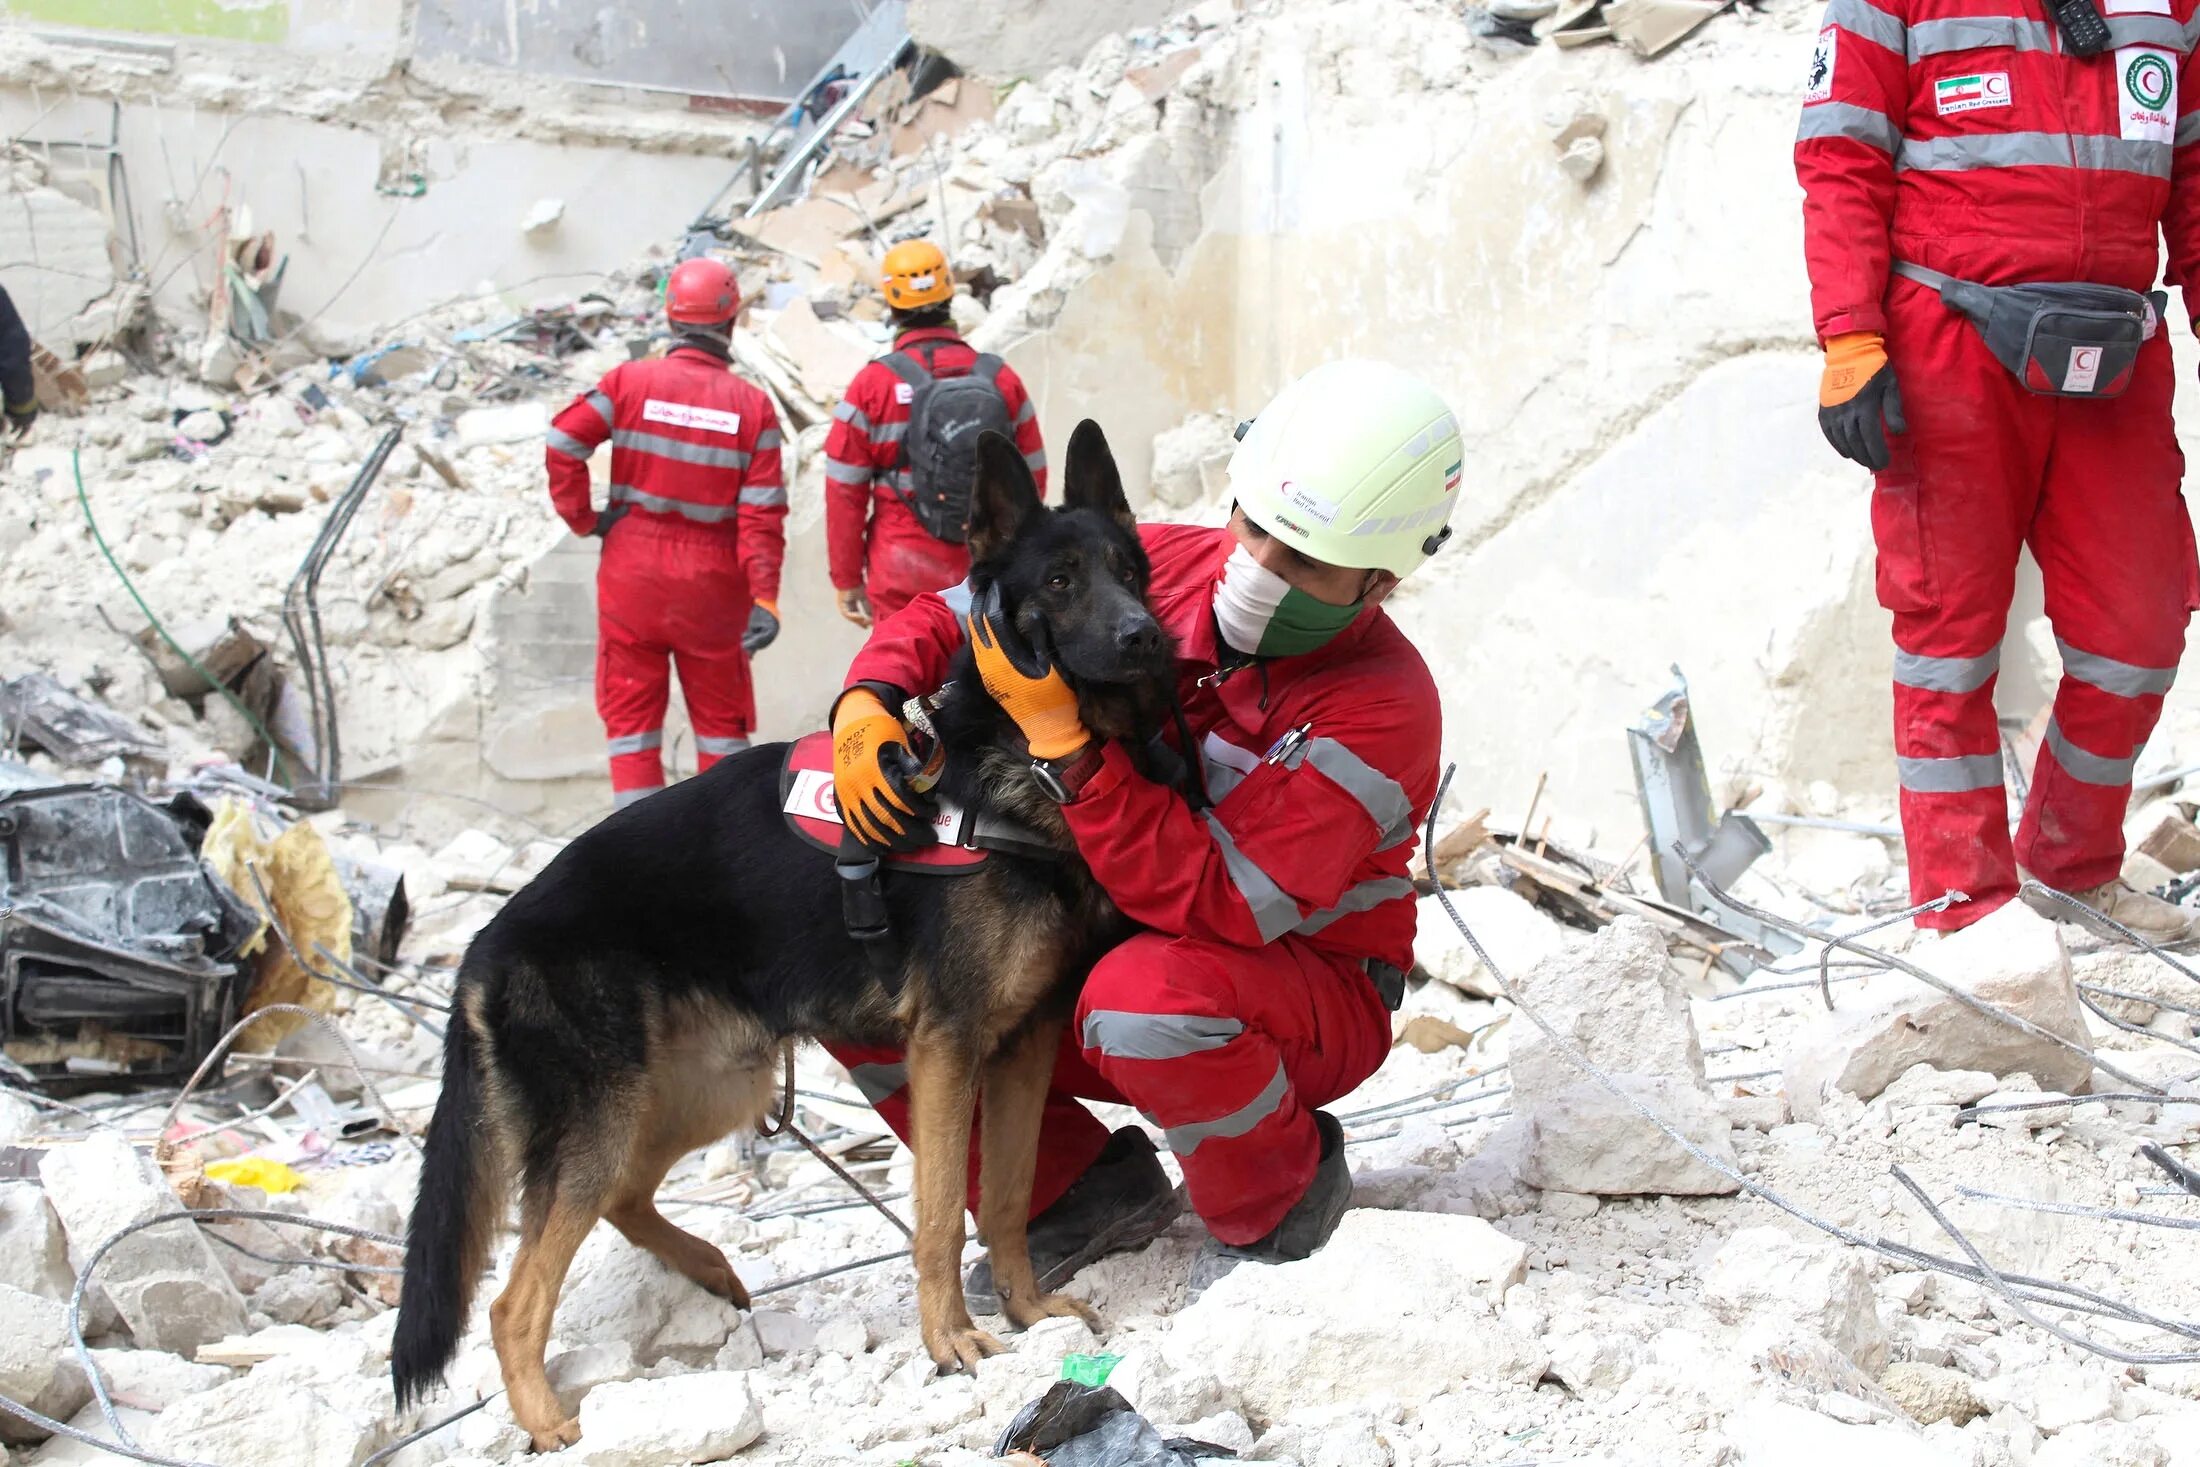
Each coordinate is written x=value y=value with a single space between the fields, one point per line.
x=903 y=450
x=693 y=531
x=1951 y=150
x=1279 y=921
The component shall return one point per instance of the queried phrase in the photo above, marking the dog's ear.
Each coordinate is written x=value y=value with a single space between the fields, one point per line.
x=1091 y=479
x=1003 y=495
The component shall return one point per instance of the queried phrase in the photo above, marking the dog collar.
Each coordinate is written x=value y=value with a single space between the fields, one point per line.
x=1063 y=780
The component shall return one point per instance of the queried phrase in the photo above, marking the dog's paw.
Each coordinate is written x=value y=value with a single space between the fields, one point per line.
x=1024 y=1313
x=961 y=1348
x=725 y=1283
x=564 y=1434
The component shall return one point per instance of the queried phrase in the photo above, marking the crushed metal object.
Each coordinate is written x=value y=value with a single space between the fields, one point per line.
x=117 y=947
x=36 y=709
x=1676 y=810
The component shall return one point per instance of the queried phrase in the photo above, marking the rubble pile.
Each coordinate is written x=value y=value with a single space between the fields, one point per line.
x=367 y=659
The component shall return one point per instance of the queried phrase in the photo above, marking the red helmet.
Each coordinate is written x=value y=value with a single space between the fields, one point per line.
x=702 y=292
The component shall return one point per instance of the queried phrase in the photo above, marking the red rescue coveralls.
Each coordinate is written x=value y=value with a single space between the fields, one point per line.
x=695 y=457
x=872 y=537
x=1248 y=1002
x=1961 y=136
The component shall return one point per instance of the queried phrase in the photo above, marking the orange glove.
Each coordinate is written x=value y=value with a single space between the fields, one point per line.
x=871 y=766
x=1023 y=681
x=1858 y=401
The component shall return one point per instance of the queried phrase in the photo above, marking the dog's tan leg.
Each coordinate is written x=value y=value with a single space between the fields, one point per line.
x=634 y=1213
x=943 y=1090
x=519 y=1321
x=1015 y=1102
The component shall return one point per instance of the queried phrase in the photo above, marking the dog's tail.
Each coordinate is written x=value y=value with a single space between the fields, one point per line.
x=454 y=1219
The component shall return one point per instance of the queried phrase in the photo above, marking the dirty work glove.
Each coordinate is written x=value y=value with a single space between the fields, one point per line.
x=1023 y=681
x=21 y=415
x=763 y=627
x=855 y=606
x=1857 y=391
x=612 y=515
x=871 y=769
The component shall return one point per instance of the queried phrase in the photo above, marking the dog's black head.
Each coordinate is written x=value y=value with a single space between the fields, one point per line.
x=1073 y=580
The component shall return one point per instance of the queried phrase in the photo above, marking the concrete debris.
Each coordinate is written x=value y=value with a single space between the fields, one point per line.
x=1779 y=1279
x=1516 y=935
x=164 y=1281
x=268 y=1421
x=153 y=1380
x=543 y=217
x=2013 y=960
x=1619 y=1002
x=1930 y=1393
x=36 y=1365
x=34 y=1254
x=686 y=1418
x=1296 y=1335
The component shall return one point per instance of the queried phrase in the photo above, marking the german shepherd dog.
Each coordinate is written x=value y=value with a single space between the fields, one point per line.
x=632 y=1003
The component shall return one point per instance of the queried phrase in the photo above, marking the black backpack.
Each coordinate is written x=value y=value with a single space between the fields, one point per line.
x=939 y=451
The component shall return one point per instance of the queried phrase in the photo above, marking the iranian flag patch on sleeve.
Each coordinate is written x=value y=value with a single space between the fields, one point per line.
x=1953 y=94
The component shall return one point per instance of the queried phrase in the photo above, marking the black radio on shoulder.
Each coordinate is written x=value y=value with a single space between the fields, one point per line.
x=2084 y=33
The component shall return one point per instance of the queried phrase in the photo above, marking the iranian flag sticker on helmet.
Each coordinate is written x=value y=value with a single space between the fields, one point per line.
x=1357 y=463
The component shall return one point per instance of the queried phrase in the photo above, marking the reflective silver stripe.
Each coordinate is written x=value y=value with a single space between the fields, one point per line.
x=1846 y=120
x=890 y=432
x=598 y=400
x=853 y=416
x=1035 y=460
x=1274 y=913
x=1026 y=413
x=1945 y=674
x=904 y=483
x=2087 y=768
x=2192 y=33
x=2124 y=679
x=2035 y=150
x=567 y=444
x=635 y=441
x=2188 y=130
x=640 y=743
x=1868 y=21
x=702 y=514
x=1951 y=776
x=1227 y=765
x=1122 y=1035
x=1184 y=1140
x=877 y=1082
x=620 y=799
x=767 y=440
x=1379 y=795
x=1964 y=32
x=847 y=473
x=2147 y=30
x=1364 y=897
x=707 y=745
x=764 y=496
x=957 y=598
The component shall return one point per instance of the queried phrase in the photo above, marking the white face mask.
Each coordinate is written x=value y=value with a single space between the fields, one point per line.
x=1263 y=615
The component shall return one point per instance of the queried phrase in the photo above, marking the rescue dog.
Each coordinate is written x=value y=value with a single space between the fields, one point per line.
x=633 y=1002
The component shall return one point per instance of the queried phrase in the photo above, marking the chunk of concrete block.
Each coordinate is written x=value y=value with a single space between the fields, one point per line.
x=1618 y=1001
x=164 y=1282
x=37 y=1365
x=2013 y=960
x=1516 y=935
x=681 y=1418
x=154 y=1380
x=1289 y=1336
x=1771 y=1275
x=34 y=1253
x=266 y=1420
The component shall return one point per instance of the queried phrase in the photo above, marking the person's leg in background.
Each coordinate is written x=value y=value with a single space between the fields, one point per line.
x=633 y=676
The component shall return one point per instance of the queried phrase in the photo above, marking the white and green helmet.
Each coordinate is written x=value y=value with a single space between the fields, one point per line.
x=1357 y=463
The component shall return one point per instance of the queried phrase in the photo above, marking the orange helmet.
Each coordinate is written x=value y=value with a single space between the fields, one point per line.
x=702 y=292
x=915 y=274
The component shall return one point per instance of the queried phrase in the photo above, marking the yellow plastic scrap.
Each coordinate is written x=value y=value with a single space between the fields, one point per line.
x=309 y=899
x=271 y=1177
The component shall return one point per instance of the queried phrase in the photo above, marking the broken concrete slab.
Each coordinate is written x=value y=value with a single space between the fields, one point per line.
x=164 y=1282
x=154 y=1380
x=1772 y=1276
x=2013 y=960
x=37 y=1366
x=686 y=1418
x=34 y=1253
x=1619 y=1002
x=264 y=1420
x=1296 y=1335
x=1516 y=934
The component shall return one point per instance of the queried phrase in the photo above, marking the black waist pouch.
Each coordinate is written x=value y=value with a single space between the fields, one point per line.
x=2059 y=340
